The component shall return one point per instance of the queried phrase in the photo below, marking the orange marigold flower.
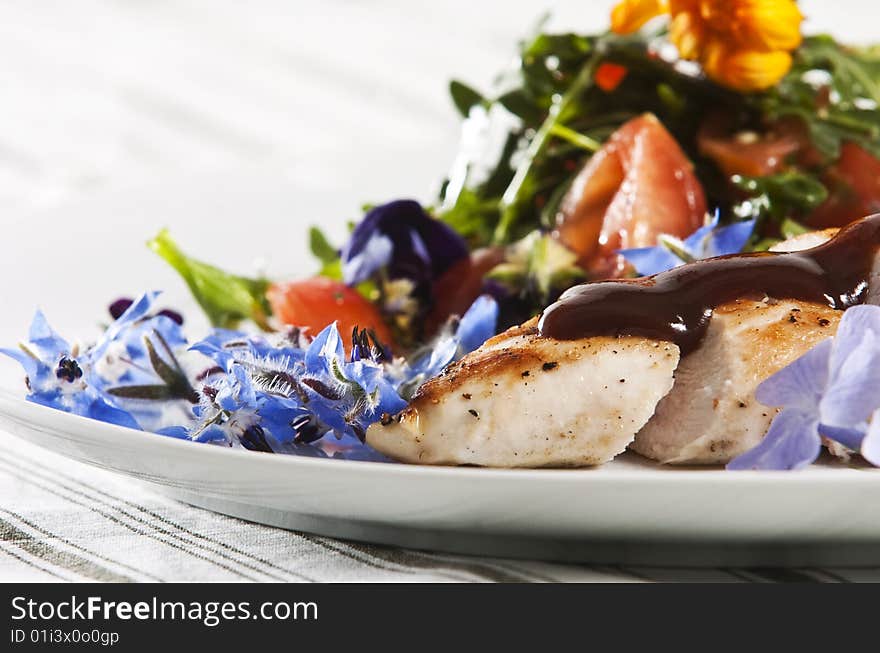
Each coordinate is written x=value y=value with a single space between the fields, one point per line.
x=745 y=70
x=743 y=44
x=630 y=15
x=753 y=24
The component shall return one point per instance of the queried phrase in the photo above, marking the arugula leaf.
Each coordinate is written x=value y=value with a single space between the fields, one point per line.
x=464 y=97
x=331 y=264
x=835 y=90
x=321 y=247
x=227 y=299
x=779 y=196
x=779 y=199
x=471 y=217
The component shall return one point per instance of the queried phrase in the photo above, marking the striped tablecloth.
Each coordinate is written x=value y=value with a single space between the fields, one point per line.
x=62 y=520
x=101 y=94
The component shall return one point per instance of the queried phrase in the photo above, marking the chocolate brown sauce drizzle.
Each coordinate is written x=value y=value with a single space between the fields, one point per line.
x=677 y=305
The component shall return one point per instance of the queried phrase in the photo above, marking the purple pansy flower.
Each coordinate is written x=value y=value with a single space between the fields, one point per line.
x=404 y=240
x=706 y=242
x=832 y=391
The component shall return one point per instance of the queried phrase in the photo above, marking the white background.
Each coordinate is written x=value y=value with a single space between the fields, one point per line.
x=236 y=124
x=104 y=94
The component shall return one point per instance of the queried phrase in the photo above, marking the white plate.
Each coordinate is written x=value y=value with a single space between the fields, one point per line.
x=627 y=511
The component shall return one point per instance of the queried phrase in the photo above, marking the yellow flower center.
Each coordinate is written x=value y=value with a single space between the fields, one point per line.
x=743 y=44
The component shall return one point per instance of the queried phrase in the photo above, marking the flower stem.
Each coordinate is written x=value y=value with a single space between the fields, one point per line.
x=576 y=138
x=513 y=196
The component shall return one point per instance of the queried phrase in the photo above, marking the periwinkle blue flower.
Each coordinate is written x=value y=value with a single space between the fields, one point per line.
x=706 y=242
x=832 y=391
x=401 y=238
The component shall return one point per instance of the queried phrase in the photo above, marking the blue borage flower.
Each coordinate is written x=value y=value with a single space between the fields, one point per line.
x=707 y=241
x=137 y=359
x=832 y=392
x=458 y=338
x=265 y=392
x=403 y=240
x=288 y=396
x=56 y=378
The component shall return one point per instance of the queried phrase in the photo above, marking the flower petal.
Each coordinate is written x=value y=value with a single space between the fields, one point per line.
x=792 y=442
x=179 y=432
x=43 y=336
x=696 y=242
x=853 y=391
x=856 y=321
x=802 y=383
x=686 y=31
x=870 y=448
x=729 y=239
x=422 y=247
x=630 y=15
x=651 y=260
x=326 y=345
x=477 y=325
x=375 y=255
x=849 y=437
x=104 y=412
x=30 y=364
x=768 y=24
x=744 y=70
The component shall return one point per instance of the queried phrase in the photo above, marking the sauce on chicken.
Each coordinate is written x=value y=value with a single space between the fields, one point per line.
x=677 y=305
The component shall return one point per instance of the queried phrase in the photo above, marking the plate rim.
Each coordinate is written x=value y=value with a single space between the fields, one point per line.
x=20 y=410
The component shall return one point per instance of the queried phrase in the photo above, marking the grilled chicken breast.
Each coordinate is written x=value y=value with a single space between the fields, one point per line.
x=521 y=400
x=711 y=415
x=805 y=241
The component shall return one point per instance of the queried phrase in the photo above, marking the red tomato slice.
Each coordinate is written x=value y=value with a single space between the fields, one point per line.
x=854 y=183
x=639 y=185
x=460 y=285
x=749 y=153
x=853 y=180
x=314 y=303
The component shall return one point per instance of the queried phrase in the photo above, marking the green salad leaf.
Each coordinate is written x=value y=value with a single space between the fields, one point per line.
x=227 y=299
x=835 y=90
x=327 y=255
x=554 y=117
x=464 y=97
x=777 y=196
x=778 y=199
